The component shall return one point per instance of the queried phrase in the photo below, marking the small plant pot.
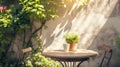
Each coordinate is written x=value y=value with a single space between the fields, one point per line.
x=73 y=47
x=66 y=47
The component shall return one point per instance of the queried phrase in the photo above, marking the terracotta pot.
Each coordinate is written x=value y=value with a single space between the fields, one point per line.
x=73 y=47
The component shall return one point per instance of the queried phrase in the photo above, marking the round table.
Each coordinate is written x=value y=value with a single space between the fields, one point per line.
x=68 y=59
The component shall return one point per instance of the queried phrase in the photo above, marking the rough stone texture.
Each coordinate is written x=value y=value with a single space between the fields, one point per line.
x=97 y=24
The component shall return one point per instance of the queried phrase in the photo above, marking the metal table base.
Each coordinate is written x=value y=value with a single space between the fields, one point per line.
x=72 y=64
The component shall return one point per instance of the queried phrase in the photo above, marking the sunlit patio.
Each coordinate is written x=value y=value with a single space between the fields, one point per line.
x=33 y=33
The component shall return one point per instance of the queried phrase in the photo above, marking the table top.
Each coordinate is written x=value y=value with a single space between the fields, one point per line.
x=77 y=55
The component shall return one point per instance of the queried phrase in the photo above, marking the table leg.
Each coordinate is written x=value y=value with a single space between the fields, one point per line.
x=82 y=61
x=79 y=64
x=74 y=64
x=65 y=64
x=61 y=63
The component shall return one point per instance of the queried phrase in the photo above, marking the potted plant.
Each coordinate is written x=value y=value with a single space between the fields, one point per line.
x=72 y=39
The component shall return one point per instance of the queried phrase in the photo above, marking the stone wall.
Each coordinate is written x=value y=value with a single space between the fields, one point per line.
x=97 y=24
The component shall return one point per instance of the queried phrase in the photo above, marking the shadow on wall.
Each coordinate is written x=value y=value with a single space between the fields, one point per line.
x=87 y=21
x=58 y=27
x=72 y=18
x=108 y=34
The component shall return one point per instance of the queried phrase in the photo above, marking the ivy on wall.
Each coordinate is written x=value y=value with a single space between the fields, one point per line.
x=118 y=42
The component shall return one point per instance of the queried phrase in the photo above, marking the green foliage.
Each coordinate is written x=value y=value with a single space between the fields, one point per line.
x=37 y=60
x=118 y=42
x=35 y=11
x=37 y=38
x=6 y=30
x=40 y=10
x=11 y=23
x=5 y=18
x=71 y=37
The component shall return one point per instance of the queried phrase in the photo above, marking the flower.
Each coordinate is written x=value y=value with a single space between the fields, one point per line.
x=3 y=8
